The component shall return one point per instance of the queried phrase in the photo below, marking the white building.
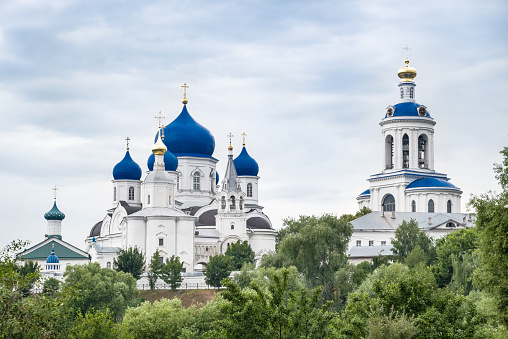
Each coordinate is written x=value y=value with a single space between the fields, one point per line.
x=407 y=187
x=179 y=208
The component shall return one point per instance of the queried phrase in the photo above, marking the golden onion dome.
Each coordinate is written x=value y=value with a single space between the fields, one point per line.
x=407 y=74
x=159 y=148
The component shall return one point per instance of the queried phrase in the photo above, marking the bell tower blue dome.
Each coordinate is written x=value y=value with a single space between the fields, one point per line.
x=185 y=137
x=127 y=169
x=170 y=161
x=245 y=164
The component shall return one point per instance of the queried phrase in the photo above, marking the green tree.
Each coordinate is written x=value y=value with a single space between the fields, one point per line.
x=463 y=269
x=219 y=268
x=492 y=224
x=50 y=286
x=407 y=237
x=154 y=269
x=96 y=324
x=171 y=272
x=100 y=289
x=30 y=269
x=240 y=253
x=131 y=260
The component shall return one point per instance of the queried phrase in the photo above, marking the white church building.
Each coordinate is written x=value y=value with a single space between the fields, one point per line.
x=408 y=186
x=181 y=207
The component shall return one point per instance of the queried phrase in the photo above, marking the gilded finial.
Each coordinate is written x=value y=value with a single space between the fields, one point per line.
x=160 y=118
x=54 y=192
x=407 y=73
x=159 y=148
x=185 y=100
x=53 y=245
x=230 y=148
x=244 y=135
x=127 y=139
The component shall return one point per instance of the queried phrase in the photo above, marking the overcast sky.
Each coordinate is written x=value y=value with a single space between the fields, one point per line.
x=308 y=81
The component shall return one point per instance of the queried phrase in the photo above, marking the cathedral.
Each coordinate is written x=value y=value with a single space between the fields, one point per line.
x=407 y=187
x=182 y=207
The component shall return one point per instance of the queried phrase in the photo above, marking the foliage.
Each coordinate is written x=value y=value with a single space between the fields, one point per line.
x=274 y=312
x=95 y=324
x=416 y=257
x=388 y=326
x=350 y=277
x=262 y=277
x=30 y=269
x=407 y=237
x=454 y=244
x=154 y=269
x=100 y=289
x=219 y=268
x=50 y=286
x=131 y=260
x=171 y=272
x=240 y=253
x=492 y=224
x=463 y=269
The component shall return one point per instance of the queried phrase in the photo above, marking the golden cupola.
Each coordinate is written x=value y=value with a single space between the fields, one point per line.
x=159 y=148
x=407 y=74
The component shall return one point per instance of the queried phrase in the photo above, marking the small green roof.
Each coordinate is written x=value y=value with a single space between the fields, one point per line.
x=54 y=214
x=65 y=251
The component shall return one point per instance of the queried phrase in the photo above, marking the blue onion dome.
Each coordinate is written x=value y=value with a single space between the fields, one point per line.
x=431 y=183
x=245 y=164
x=52 y=259
x=170 y=161
x=127 y=169
x=407 y=109
x=185 y=137
x=216 y=178
x=54 y=214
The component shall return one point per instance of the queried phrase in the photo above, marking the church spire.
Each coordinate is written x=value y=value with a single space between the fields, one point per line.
x=407 y=85
x=158 y=150
x=230 y=178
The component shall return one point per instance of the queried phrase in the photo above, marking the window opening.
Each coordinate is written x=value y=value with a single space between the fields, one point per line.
x=232 y=227
x=413 y=206
x=108 y=265
x=383 y=243
x=131 y=193
x=233 y=204
x=405 y=151
x=241 y=203
x=422 y=151
x=177 y=181
x=358 y=243
x=371 y=242
x=389 y=152
x=223 y=203
x=148 y=199
x=388 y=203
x=449 y=206
x=114 y=194
x=161 y=260
x=249 y=190
x=161 y=242
x=196 y=182
x=411 y=93
x=431 y=206
x=402 y=93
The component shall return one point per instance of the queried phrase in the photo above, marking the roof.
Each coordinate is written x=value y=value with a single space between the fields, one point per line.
x=258 y=223
x=207 y=218
x=42 y=250
x=245 y=164
x=374 y=221
x=127 y=169
x=96 y=230
x=207 y=233
x=158 y=212
x=186 y=137
x=100 y=249
x=54 y=213
x=128 y=208
x=369 y=251
x=407 y=109
x=365 y=193
x=230 y=183
x=432 y=183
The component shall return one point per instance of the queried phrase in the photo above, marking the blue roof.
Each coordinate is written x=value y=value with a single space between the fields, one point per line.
x=407 y=109
x=366 y=192
x=52 y=259
x=431 y=183
x=127 y=169
x=245 y=164
x=170 y=161
x=54 y=214
x=216 y=177
x=184 y=136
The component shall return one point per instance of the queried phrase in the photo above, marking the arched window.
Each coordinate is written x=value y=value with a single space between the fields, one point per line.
x=232 y=226
x=131 y=193
x=114 y=194
x=196 y=181
x=413 y=206
x=402 y=93
x=212 y=181
x=233 y=204
x=169 y=200
x=449 y=206
x=249 y=190
x=108 y=265
x=389 y=152
x=148 y=199
x=422 y=152
x=405 y=151
x=223 y=203
x=241 y=203
x=431 y=206
x=388 y=203
x=450 y=224
x=178 y=181
x=411 y=93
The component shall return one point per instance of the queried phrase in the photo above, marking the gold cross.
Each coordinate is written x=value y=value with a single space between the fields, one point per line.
x=244 y=135
x=55 y=189
x=127 y=139
x=185 y=86
x=407 y=49
x=160 y=117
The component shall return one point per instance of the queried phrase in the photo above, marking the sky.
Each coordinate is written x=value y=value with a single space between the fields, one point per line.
x=307 y=81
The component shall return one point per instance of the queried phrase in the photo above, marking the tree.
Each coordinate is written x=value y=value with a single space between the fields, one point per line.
x=50 y=286
x=492 y=224
x=30 y=269
x=130 y=261
x=219 y=268
x=240 y=253
x=95 y=324
x=171 y=272
x=100 y=289
x=154 y=269
x=407 y=237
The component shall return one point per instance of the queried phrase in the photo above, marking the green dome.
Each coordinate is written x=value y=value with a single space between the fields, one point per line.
x=54 y=214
